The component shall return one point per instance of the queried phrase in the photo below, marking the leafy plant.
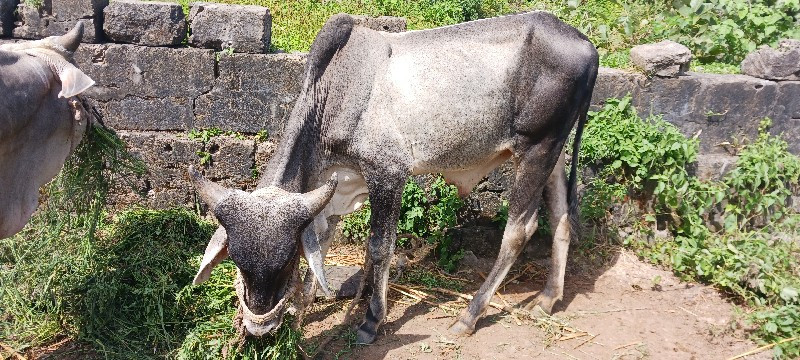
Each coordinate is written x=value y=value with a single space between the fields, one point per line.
x=646 y=161
x=204 y=135
x=726 y=30
x=762 y=182
x=425 y=214
x=262 y=135
x=430 y=279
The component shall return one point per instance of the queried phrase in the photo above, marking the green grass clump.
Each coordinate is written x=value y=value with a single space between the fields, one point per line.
x=727 y=30
x=613 y=26
x=213 y=305
x=717 y=32
x=127 y=294
x=119 y=286
x=430 y=279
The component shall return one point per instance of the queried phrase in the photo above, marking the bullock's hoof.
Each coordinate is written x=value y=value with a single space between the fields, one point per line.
x=365 y=336
x=460 y=328
x=543 y=302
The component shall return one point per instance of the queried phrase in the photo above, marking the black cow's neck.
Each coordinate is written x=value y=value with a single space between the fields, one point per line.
x=297 y=160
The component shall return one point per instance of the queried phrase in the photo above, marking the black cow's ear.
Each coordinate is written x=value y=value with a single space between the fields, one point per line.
x=73 y=80
x=216 y=251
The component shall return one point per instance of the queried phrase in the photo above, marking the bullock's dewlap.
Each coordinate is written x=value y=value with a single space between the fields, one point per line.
x=261 y=232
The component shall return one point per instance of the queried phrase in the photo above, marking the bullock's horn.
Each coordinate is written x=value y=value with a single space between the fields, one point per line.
x=210 y=192
x=72 y=39
x=317 y=199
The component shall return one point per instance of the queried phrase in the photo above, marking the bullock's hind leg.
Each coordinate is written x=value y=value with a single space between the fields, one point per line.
x=555 y=197
x=385 y=194
x=533 y=168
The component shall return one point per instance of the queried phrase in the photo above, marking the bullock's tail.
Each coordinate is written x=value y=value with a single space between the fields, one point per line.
x=572 y=183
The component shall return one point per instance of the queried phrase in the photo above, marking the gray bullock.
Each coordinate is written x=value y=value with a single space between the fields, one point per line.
x=41 y=121
x=377 y=107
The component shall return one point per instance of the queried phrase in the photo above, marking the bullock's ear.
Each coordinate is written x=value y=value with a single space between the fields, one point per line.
x=317 y=199
x=311 y=251
x=210 y=192
x=216 y=251
x=73 y=80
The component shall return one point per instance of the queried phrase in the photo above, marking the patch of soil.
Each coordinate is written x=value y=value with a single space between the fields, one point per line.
x=627 y=310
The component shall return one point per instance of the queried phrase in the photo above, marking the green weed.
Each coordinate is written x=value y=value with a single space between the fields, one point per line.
x=752 y=255
x=430 y=279
x=425 y=214
x=726 y=30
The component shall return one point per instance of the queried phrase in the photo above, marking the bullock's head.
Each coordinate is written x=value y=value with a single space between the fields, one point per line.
x=262 y=232
x=57 y=52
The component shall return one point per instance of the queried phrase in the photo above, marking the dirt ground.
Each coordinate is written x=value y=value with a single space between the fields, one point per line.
x=626 y=310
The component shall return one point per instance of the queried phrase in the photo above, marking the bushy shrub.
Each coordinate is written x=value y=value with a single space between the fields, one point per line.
x=727 y=30
x=424 y=214
x=757 y=261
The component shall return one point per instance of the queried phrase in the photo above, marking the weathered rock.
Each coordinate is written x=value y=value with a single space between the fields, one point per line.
x=231 y=162
x=60 y=16
x=666 y=58
x=243 y=28
x=31 y=24
x=714 y=166
x=782 y=63
x=786 y=114
x=66 y=10
x=343 y=281
x=7 y=8
x=128 y=70
x=252 y=93
x=616 y=83
x=381 y=23
x=136 y=113
x=717 y=106
x=150 y=23
x=167 y=156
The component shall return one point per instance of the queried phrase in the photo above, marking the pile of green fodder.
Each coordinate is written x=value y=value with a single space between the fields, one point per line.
x=118 y=286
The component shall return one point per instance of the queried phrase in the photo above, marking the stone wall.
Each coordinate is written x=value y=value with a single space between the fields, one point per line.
x=152 y=91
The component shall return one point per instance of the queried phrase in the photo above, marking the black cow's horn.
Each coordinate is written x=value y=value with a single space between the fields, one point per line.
x=210 y=192
x=317 y=199
x=72 y=39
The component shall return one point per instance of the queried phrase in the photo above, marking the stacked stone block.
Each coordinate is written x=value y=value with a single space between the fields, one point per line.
x=152 y=91
x=241 y=28
x=251 y=93
x=149 y=23
x=56 y=17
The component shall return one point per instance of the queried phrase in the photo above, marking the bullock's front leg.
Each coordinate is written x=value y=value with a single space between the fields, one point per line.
x=385 y=194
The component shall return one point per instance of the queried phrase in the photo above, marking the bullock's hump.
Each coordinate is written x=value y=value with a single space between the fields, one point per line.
x=332 y=37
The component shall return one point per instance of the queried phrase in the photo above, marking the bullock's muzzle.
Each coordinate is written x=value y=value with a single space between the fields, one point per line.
x=260 y=325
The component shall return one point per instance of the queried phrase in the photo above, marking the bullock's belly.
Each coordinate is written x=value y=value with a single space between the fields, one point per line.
x=451 y=107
